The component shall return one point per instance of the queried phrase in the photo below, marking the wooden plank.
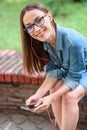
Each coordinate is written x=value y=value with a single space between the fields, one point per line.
x=11 y=69
x=9 y=62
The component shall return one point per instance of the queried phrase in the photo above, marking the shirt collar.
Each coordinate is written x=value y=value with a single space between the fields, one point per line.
x=58 y=37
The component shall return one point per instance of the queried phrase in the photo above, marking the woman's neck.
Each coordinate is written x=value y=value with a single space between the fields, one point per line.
x=52 y=38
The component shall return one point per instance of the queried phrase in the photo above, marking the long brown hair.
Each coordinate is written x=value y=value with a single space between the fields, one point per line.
x=32 y=63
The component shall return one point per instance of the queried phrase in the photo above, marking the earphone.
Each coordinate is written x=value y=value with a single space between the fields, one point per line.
x=42 y=58
x=36 y=54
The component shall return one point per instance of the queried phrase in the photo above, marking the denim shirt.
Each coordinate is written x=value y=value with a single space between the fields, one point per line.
x=69 y=58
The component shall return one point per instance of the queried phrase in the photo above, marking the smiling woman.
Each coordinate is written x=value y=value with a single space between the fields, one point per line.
x=62 y=53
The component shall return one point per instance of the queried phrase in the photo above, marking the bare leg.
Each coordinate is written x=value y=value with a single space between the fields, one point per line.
x=70 y=109
x=56 y=106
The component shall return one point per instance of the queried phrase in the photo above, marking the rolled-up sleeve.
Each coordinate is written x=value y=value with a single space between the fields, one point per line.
x=53 y=71
x=71 y=82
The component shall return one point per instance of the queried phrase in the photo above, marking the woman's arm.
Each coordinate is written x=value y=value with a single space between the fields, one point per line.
x=60 y=92
x=46 y=85
x=44 y=103
x=77 y=66
x=44 y=88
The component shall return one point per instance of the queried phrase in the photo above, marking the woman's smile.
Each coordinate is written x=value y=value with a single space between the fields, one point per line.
x=41 y=33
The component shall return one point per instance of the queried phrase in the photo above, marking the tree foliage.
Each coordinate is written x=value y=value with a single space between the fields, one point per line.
x=54 y=5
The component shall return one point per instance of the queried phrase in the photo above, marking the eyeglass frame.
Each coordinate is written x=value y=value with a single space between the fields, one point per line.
x=26 y=29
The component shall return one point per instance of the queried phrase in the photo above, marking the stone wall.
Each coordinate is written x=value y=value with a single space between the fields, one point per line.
x=13 y=96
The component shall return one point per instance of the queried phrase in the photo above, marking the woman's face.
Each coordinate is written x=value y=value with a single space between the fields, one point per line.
x=38 y=24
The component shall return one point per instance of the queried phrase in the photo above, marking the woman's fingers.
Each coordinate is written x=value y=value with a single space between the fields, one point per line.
x=40 y=107
x=30 y=101
x=38 y=103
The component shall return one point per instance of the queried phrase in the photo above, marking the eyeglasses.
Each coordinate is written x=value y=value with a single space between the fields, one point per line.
x=38 y=22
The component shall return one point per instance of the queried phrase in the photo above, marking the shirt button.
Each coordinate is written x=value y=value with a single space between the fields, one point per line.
x=48 y=50
x=55 y=63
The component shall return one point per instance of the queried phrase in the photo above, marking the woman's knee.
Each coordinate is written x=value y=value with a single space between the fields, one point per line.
x=74 y=96
x=68 y=98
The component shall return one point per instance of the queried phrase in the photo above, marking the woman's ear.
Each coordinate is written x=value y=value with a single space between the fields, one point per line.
x=50 y=16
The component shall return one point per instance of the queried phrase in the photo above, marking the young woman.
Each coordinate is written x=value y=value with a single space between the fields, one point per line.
x=62 y=53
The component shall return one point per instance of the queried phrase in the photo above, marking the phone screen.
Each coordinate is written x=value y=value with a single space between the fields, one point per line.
x=28 y=108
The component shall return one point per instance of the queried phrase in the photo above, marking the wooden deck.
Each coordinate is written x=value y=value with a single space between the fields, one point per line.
x=11 y=69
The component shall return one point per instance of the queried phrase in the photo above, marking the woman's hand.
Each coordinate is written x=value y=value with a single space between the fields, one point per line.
x=43 y=104
x=32 y=100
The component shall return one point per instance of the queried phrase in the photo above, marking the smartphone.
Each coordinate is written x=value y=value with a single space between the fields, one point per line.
x=28 y=108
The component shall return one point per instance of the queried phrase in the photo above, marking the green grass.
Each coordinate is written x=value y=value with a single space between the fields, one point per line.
x=69 y=15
